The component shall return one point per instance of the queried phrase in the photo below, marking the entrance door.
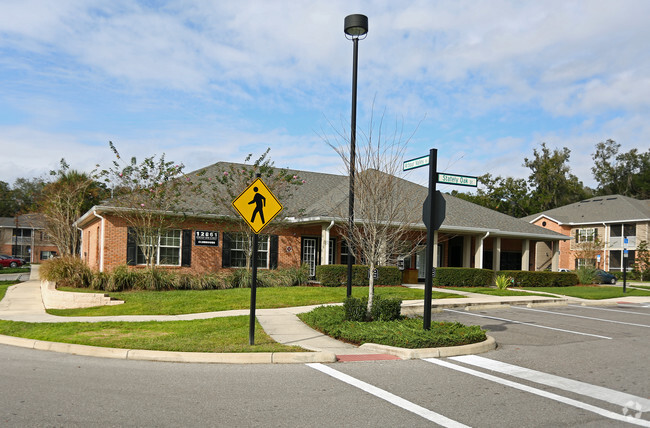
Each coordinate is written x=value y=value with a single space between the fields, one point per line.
x=310 y=250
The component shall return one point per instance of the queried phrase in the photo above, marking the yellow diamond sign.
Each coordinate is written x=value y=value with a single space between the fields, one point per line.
x=257 y=205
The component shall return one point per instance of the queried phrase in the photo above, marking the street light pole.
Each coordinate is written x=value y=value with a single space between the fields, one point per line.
x=355 y=27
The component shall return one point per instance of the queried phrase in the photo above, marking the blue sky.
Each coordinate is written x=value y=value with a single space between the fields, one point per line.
x=484 y=82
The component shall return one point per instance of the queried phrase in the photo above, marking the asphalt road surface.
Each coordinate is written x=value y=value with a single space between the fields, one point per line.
x=570 y=366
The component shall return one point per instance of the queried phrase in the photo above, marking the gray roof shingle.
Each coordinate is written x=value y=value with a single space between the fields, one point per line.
x=599 y=209
x=325 y=197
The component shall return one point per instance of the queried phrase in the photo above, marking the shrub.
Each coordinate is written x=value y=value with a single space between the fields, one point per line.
x=355 y=309
x=586 y=275
x=388 y=309
x=99 y=280
x=542 y=278
x=463 y=277
x=337 y=275
x=121 y=279
x=405 y=333
x=503 y=282
x=67 y=271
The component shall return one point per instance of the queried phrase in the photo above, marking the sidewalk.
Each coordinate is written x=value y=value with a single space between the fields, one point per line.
x=23 y=302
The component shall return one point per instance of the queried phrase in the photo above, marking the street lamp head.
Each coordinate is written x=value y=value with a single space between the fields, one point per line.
x=356 y=26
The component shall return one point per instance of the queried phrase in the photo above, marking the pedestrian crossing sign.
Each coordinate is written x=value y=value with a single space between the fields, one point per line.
x=257 y=205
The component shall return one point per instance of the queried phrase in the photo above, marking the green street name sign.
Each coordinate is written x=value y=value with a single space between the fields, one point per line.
x=459 y=180
x=416 y=163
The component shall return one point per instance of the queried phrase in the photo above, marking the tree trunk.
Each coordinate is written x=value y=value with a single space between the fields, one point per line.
x=371 y=287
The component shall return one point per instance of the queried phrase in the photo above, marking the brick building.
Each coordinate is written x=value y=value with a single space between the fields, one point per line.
x=24 y=237
x=203 y=239
x=602 y=225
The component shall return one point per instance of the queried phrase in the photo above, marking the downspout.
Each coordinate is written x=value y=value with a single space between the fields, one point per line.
x=325 y=246
x=81 y=243
x=481 y=246
x=605 y=258
x=101 y=243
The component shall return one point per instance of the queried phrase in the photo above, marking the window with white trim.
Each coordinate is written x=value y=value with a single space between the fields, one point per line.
x=586 y=263
x=240 y=243
x=166 y=250
x=586 y=235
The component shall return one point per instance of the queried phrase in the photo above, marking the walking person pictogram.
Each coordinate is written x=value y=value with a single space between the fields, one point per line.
x=260 y=203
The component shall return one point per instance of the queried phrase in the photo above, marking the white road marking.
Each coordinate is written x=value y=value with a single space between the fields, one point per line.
x=385 y=395
x=610 y=310
x=582 y=388
x=584 y=317
x=575 y=403
x=529 y=324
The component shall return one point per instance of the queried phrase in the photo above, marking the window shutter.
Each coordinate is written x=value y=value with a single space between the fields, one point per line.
x=186 y=249
x=577 y=236
x=595 y=234
x=225 y=251
x=131 y=247
x=273 y=252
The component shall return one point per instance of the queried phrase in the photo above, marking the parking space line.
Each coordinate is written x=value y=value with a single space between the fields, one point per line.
x=594 y=391
x=584 y=317
x=387 y=396
x=610 y=310
x=566 y=400
x=530 y=324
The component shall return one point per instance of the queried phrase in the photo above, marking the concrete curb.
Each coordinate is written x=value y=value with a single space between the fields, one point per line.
x=451 y=351
x=167 y=356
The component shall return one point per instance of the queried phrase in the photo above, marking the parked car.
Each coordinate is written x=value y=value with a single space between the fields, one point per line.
x=13 y=262
x=563 y=270
x=603 y=277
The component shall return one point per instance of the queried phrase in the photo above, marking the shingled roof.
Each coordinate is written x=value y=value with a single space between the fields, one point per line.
x=600 y=209
x=324 y=197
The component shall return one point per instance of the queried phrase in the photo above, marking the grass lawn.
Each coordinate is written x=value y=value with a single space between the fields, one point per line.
x=197 y=301
x=3 y=287
x=15 y=270
x=229 y=334
x=591 y=292
x=495 y=291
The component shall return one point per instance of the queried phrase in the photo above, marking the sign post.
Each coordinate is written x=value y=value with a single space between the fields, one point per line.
x=257 y=206
x=433 y=214
x=428 y=275
x=625 y=242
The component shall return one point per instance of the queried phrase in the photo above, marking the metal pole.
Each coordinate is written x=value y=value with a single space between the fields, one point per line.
x=353 y=137
x=251 y=324
x=428 y=276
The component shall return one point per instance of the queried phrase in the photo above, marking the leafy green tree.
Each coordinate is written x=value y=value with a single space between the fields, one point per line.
x=8 y=205
x=63 y=201
x=625 y=174
x=642 y=259
x=26 y=193
x=507 y=195
x=551 y=182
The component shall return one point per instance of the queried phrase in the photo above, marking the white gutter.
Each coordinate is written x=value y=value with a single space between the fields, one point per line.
x=606 y=265
x=101 y=243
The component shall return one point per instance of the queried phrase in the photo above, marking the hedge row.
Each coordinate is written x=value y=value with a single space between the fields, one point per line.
x=470 y=277
x=541 y=278
x=463 y=277
x=337 y=275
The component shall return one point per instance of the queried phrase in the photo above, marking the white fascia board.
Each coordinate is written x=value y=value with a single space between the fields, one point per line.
x=609 y=222
x=546 y=217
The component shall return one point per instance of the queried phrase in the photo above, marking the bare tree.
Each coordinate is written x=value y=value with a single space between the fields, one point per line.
x=148 y=197
x=222 y=186
x=387 y=207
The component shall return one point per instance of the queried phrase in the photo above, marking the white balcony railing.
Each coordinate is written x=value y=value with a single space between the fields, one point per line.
x=617 y=242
